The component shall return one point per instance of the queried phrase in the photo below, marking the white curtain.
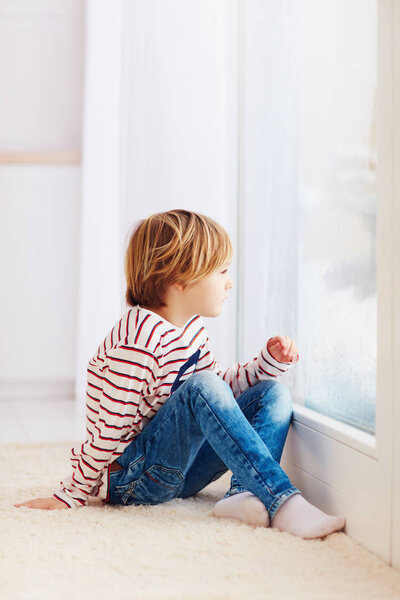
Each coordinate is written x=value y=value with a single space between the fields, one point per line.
x=269 y=166
x=160 y=132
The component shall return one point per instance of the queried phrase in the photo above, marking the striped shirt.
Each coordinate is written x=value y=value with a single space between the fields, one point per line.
x=140 y=363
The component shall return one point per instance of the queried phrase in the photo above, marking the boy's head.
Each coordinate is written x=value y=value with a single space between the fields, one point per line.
x=177 y=246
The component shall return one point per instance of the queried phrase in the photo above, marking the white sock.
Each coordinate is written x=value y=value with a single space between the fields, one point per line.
x=245 y=507
x=299 y=517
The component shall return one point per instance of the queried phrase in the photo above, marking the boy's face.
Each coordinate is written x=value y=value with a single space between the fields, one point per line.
x=206 y=297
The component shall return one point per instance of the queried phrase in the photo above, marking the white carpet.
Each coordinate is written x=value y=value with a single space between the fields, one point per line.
x=170 y=551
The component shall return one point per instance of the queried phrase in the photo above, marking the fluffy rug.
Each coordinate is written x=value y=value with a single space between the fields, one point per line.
x=170 y=551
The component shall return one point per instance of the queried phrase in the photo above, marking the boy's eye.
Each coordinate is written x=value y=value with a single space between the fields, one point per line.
x=226 y=270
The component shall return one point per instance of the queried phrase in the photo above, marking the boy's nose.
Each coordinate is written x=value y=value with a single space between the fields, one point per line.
x=229 y=284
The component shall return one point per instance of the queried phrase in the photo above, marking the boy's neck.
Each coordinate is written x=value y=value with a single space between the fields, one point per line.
x=178 y=307
x=175 y=317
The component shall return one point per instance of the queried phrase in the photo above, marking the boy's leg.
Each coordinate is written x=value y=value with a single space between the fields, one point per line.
x=156 y=462
x=268 y=408
x=203 y=408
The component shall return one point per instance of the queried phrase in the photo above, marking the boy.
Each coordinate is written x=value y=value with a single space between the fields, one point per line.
x=163 y=419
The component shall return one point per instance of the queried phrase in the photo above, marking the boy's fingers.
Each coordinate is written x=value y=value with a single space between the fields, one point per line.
x=283 y=344
x=274 y=345
x=277 y=348
x=42 y=504
x=286 y=344
x=290 y=350
x=27 y=504
x=285 y=347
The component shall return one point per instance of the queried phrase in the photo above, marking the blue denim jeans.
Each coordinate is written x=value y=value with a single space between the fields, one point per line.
x=198 y=434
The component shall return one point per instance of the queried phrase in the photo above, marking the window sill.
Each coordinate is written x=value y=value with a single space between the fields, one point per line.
x=346 y=434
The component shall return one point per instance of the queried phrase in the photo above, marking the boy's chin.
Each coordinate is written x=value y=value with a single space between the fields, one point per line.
x=212 y=312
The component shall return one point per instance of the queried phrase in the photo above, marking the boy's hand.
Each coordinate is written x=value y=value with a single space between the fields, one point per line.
x=283 y=349
x=43 y=503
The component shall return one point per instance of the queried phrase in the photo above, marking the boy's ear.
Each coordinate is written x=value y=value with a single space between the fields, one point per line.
x=179 y=286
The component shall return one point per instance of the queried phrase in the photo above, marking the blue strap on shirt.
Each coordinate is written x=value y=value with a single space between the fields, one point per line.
x=191 y=361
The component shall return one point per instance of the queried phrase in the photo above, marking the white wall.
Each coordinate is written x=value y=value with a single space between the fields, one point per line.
x=41 y=69
x=41 y=64
x=177 y=136
x=39 y=239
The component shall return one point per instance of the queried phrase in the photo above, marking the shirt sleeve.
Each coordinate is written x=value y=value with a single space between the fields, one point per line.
x=241 y=376
x=128 y=372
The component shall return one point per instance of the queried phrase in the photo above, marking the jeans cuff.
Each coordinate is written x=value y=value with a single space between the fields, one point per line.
x=236 y=489
x=275 y=506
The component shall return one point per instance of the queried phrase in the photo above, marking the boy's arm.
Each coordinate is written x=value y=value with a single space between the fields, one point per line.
x=275 y=358
x=127 y=374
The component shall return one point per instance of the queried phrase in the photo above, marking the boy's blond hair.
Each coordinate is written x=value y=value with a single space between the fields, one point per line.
x=177 y=246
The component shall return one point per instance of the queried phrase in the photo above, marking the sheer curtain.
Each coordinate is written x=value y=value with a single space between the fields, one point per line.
x=160 y=132
x=269 y=171
x=309 y=197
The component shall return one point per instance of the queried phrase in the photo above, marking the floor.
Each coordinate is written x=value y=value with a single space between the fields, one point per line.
x=34 y=420
x=95 y=552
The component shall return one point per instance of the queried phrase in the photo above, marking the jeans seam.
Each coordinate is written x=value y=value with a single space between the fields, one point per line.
x=253 y=421
x=256 y=399
x=173 y=469
x=180 y=400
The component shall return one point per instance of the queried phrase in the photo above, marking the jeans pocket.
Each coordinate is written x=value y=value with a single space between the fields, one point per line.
x=157 y=484
x=123 y=483
x=123 y=493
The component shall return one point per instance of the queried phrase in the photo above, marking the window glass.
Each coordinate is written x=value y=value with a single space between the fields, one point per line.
x=337 y=304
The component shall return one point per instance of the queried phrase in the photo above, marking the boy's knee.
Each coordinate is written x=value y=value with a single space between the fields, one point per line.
x=211 y=387
x=279 y=398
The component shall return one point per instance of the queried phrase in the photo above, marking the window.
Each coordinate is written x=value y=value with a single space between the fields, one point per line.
x=318 y=229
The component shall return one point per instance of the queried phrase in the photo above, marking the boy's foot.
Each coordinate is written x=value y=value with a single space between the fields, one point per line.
x=299 y=517
x=245 y=507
